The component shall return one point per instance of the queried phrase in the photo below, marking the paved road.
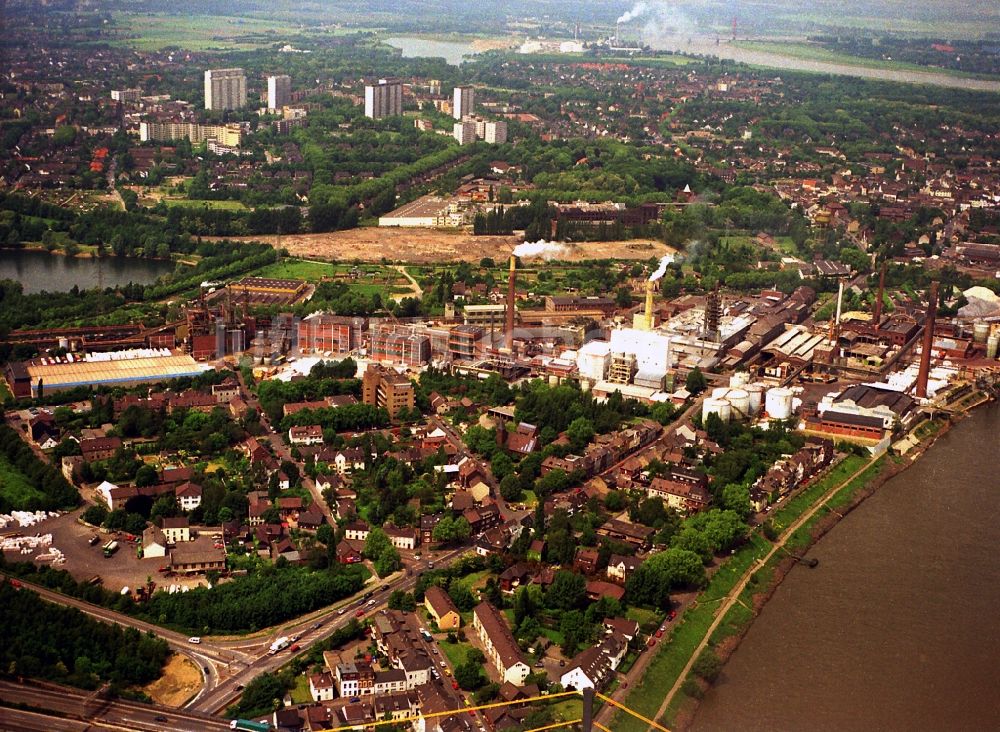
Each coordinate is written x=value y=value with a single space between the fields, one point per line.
x=112 y=715
x=309 y=629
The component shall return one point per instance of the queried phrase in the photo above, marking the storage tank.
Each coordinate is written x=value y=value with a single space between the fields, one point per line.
x=756 y=392
x=720 y=407
x=992 y=345
x=740 y=401
x=778 y=403
x=739 y=380
x=980 y=332
x=720 y=392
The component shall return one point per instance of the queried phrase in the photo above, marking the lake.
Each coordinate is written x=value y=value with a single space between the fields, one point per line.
x=38 y=270
x=451 y=51
x=897 y=628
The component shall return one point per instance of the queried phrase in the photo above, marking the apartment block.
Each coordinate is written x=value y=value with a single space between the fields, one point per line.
x=225 y=89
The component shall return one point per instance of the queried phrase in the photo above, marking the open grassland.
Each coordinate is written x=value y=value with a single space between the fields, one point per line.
x=153 y=31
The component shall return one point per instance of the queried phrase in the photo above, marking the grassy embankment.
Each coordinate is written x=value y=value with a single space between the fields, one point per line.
x=740 y=615
x=673 y=654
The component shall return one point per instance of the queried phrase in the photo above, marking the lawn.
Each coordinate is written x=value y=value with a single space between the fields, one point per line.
x=455 y=652
x=15 y=487
x=300 y=692
x=645 y=618
x=673 y=652
x=297 y=269
x=793 y=508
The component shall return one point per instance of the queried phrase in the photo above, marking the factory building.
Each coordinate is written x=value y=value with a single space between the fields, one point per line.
x=400 y=346
x=322 y=332
x=466 y=342
x=118 y=368
x=269 y=291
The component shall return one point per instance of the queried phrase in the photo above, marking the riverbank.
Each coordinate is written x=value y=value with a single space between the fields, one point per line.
x=680 y=710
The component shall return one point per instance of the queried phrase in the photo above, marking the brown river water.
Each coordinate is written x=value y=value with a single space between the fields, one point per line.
x=898 y=628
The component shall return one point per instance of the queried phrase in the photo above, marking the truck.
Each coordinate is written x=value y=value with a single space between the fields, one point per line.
x=279 y=645
x=250 y=726
x=110 y=548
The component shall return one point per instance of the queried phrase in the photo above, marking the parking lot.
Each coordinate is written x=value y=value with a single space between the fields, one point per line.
x=83 y=561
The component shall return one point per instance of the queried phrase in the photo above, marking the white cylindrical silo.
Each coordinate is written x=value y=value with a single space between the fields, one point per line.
x=980 y=332
x=719 y=407
x=992 y=345
x=740 y=401
x=756 y=392
x=739 y=380
x=778 y=403
x=720 y=392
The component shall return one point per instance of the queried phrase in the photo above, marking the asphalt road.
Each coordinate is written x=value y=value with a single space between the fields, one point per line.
x=112 y=715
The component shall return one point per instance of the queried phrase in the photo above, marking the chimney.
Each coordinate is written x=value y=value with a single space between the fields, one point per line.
x=511 y=295
x=877 y=315
x=925 y=354
x=649 y=304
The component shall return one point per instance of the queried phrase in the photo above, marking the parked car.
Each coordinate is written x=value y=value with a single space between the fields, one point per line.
x=355 y=699
x=672 y=615
x=194 y=639
x=295 y=647
x=659 y=633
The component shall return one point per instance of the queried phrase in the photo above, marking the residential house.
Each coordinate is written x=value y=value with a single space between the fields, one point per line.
x=498 y=641
x=585 y=560
x=193 y=558
x=322 y=686
x=442 y=608
x=225 y=392
x=188 y=496
x=99 y=448
x=593 y=667
x=154 y=543
x=356 y=531
x=621 y=567
x=405 y=537
x=311 y=434
x=176 y=530
x=635 y=534
x=348 y=460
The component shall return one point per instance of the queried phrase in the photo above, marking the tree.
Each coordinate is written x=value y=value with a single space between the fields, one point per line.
x=736 y=498
x=404 y=601
x=376 y=544
x=146 y=475
x=580 y=432
x=469 y=675
x=623 y=298
x=575 y=631
x=449 y=530
x=262 y=695
x=662 y=572
x=567 y=591
x=708 y=666
x=695 y=382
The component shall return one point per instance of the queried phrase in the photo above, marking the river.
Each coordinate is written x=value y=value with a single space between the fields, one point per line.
x=37 y=270
x=703 y=45
x=898 y=628
x=451 y=51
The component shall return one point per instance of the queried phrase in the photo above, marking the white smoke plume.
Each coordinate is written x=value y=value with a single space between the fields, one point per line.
x=661 y=270
x=547 y=249
x=638 y=10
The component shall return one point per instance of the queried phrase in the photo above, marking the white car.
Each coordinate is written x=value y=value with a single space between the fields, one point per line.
x=194 y=639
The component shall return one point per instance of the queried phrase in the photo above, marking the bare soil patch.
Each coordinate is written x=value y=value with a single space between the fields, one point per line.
x=426 y=246
x=180 y=681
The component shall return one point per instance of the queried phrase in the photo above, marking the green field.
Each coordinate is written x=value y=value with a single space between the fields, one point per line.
x=810 y=52
x=224 y=205
x=151 y=32
x=455 y=652
x=297 y=269
x=15 y=487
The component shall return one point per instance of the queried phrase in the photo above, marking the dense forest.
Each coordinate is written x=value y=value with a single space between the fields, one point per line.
x=62 y=644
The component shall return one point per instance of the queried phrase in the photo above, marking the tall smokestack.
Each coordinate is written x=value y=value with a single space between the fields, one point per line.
x=649 y=305
x=925 y=354
x=511 y=295
x=618 y=29
x=877 y=315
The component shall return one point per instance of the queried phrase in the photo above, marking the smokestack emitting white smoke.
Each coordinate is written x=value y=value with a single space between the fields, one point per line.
x=639 y=9
x=541 y=248
x=661 y=270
